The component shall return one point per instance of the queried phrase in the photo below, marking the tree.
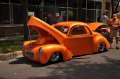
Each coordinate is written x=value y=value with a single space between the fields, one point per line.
x=115 y=4
x=25 y=17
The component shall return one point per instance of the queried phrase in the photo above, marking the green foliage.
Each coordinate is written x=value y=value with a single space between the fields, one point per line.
x=10 y=46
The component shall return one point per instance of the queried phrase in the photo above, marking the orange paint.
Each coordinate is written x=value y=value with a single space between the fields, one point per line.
x=78 y=39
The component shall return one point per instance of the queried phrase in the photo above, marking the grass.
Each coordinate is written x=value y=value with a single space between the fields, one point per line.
x=10 y=46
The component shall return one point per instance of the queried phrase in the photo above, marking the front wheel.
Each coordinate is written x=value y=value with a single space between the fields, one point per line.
x=55 y=57
x=102 y=47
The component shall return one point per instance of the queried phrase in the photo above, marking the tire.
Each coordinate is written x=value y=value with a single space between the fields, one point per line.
x=102 y=47
x=55 y=57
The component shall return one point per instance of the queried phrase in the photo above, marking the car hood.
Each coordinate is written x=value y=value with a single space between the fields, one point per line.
x=95 y=25
x=42 y=28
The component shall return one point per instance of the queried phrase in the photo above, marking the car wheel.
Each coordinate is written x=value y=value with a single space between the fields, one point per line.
x=102 y=47
x=55 y=57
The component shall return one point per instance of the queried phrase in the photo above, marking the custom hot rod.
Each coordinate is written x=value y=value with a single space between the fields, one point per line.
x=62 y=41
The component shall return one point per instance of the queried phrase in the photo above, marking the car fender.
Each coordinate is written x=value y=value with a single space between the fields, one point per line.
x=98 y=40
x=48 y=50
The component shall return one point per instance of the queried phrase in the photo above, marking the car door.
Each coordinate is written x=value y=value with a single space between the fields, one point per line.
x=80 y=40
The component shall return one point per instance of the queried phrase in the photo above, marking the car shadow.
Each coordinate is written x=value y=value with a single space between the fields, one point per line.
x=24 y=60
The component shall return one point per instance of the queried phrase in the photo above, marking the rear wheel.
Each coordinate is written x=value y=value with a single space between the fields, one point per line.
x=102 y=47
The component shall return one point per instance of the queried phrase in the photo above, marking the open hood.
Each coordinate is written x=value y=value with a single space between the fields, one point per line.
x=95 y=25
x=43 y=28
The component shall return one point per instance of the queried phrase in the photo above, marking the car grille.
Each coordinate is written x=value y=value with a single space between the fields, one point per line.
x=29 y=54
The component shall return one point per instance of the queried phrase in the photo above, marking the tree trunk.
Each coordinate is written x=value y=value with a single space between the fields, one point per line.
x=25 y=17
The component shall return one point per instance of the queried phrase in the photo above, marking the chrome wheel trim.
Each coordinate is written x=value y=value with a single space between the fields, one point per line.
x=102 y=47
x=55 y=57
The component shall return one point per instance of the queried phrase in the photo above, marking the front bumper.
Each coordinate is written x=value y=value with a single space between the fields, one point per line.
x=29 y=54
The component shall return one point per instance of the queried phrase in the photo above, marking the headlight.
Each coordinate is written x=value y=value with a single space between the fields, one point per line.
x=40 y=51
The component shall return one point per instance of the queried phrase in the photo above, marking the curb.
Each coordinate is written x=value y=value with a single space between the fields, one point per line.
x=9 y=56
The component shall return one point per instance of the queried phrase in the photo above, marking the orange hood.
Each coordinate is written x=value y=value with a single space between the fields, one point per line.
x=43 y=28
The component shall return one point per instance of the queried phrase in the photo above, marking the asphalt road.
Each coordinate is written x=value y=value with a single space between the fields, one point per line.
x=98 y=66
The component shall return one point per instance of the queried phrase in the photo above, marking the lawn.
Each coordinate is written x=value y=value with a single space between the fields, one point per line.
x=10 y=46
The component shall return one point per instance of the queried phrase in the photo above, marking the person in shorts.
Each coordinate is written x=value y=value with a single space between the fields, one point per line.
x=114 y=24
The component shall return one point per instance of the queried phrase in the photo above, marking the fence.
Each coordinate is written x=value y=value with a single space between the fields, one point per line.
x=11 y=30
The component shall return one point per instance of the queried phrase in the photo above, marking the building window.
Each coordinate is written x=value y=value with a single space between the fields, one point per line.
x=16 y=14
x=98 y=5
x=72 y=3
x=34 y=2
x=4 y=14
x=4 y=1
x=61 y=3
x=84 y=4
x=49 y=2
x=90 y=5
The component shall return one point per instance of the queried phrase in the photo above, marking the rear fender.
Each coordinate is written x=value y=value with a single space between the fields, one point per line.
x=99 y=40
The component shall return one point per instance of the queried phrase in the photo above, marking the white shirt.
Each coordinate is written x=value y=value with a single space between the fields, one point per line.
x=104 y=19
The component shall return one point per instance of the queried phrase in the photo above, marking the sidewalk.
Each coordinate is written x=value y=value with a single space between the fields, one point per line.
x=11 y=55
x=15 y=54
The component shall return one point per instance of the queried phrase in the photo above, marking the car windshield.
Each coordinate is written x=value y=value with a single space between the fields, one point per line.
x=63 y=29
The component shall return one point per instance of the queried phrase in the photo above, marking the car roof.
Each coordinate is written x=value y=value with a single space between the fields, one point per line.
x=70 y=23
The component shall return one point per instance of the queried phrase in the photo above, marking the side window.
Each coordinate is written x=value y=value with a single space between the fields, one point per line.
x=88 y=31
x=78 y=30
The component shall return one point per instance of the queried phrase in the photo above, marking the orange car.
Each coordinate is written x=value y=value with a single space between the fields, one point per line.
x=62 y=40
x=101 y=28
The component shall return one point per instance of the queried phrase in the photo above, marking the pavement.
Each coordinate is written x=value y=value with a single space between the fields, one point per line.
x=10 y=55
x=104 y=65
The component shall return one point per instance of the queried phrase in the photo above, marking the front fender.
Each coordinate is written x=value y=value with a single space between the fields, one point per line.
x=48 y=50
x=99 y=39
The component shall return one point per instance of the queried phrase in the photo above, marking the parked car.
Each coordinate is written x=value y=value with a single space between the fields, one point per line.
x=62 y=41
x=101 y=28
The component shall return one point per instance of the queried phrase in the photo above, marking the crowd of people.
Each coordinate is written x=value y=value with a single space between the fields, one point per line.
x=52 y=19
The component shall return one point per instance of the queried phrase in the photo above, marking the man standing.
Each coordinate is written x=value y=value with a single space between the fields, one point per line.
x=104 y=18
x=50 y=19
x=114 y=24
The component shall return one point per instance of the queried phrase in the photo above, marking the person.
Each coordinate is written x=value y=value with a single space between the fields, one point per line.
x=114 y=24
x=104 y=18
x=50 y=19
x=118 y=15
x=59 y=17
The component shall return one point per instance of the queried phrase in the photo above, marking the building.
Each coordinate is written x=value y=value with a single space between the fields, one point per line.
x=11 y=10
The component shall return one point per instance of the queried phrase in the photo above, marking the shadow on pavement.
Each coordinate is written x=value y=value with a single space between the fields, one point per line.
x=23 y=60
x=68 y=70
